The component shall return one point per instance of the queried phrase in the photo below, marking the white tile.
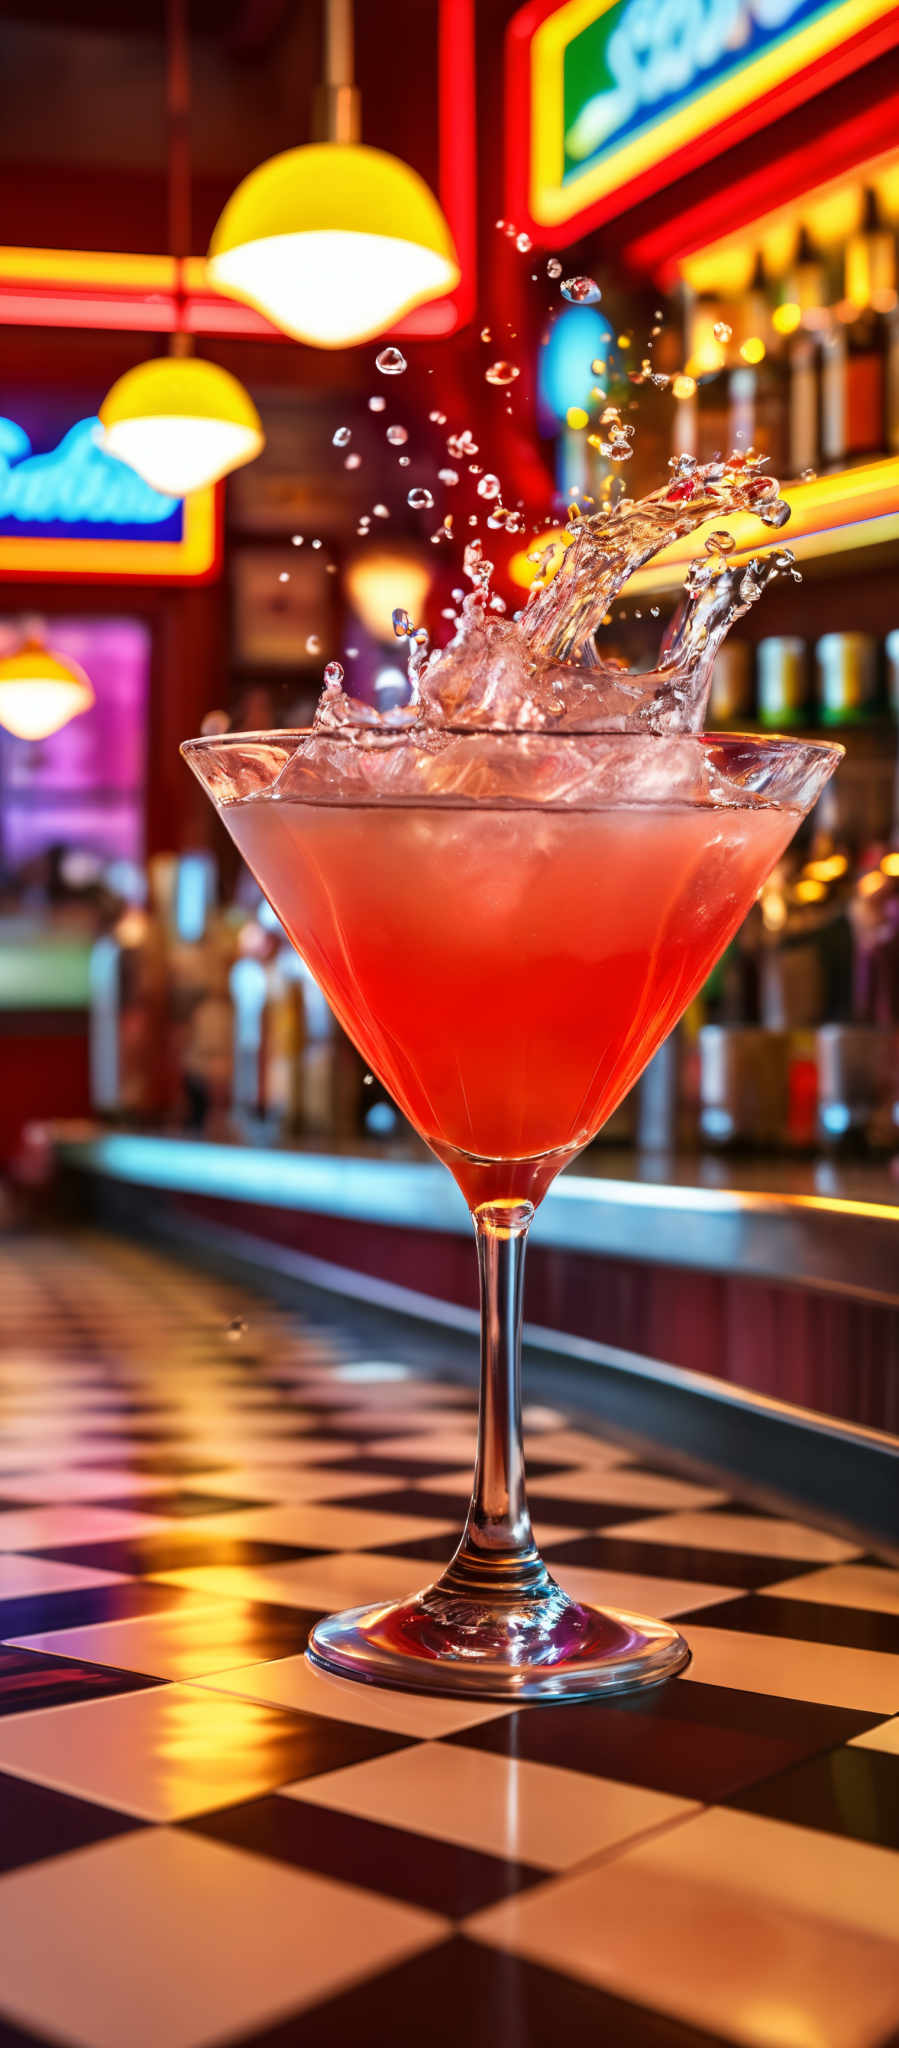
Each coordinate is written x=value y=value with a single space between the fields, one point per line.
x=100 y=1482
x=295 y=1683
x=328 y=1528
x=793 y=1670
x=161 y=1754
x=639 y=1593
x=769 y=1935
x=749 y=1535
x=54 y=1528
x=348 y=1579
x=531 y=1812
x=22 y=1577
x=885 y=1737
x=874 y=1587
x=162 y=1939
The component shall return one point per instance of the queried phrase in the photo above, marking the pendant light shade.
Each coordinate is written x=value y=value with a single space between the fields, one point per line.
x=333 y=242
x=39 y=692
x=181 y=423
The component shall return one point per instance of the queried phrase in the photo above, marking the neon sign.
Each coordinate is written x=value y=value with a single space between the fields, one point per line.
x=75 y=511
x=74 y=485
x=610 y=99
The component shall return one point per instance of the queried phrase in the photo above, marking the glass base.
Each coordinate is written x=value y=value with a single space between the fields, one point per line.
x=551 y=1648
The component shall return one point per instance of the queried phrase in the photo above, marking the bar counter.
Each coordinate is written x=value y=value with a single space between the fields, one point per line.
x=748 y=1317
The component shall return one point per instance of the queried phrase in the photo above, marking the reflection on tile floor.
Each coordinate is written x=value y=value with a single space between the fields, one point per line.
x=213 y=1844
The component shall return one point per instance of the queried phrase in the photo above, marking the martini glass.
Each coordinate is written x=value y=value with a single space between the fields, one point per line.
x=507 y=940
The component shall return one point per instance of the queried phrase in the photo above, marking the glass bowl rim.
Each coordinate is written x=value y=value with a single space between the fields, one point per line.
x=273 y=734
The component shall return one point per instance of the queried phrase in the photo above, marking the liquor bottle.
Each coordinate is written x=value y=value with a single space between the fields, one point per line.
x=127 y=1012
x=759 y=382
x=730 y=697
x=708 y=412
x=807 y=300
x=846 y=666
x=783 y=690
x=857 y=349
x=807 y=963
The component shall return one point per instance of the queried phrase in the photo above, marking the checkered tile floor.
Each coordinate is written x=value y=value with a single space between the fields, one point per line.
x=205 y=1842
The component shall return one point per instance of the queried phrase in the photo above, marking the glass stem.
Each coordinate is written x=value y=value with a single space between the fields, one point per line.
x=497 y=1556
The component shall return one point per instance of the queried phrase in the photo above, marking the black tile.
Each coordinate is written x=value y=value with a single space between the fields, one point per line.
x=413 y=1469
x=851 y=1792
x=29 y=1680
x=436 y=1549
x=35 y=1613
x=696 y=1741
x=676 y=1561
x=36 y=1822
x=548 y=1508
x=462 y=1992
x=407 y=1500
x=177 y=1550
x=14 y=2037
x=174 y=1465
x=808 y=1621
x=439 y=1876
x=183 y=1506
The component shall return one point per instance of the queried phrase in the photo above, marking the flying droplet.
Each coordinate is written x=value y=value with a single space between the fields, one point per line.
x=489 y=486
x=316 y=543
x=296 y=540
x=654 y=611
x=214 y=723
x=396 y=436
x=402 y=624
x=524 y=243
x=377 y=404
x=502 y=373
x=486 y=334
x=391 y=362
x=581 y=291
x=448 y=476
x=381 y=511
x=553 y=267
x=438 y=419
x=808 y=476
x=284 y=576
x=722 y=332
x=720 y=542
x=313 y=644
x=419 y=498
x=403 y=461
x=352 y=461
x=341 y=437
x=351 y=653
x=333 y=674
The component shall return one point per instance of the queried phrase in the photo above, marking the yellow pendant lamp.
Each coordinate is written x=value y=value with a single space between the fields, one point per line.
x=180 y=422
x=40 y=691
x=334 y=241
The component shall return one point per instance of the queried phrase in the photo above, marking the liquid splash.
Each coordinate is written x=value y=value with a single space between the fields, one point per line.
x=544 y=670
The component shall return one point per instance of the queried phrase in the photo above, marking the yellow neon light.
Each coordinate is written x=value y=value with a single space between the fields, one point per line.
x=192 y=557
x=858 y=508
x=99 y=268
x=553 y=201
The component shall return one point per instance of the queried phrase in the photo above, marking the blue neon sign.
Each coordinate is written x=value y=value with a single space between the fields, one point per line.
x=76 y=490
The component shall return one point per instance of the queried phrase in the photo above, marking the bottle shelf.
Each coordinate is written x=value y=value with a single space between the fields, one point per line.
x=835 y=514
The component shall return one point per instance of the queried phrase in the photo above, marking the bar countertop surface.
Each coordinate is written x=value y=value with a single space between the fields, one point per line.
x=827 y=1226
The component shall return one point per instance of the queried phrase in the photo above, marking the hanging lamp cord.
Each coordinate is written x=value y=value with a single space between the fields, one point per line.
x=336 y=115
x=177 y=96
